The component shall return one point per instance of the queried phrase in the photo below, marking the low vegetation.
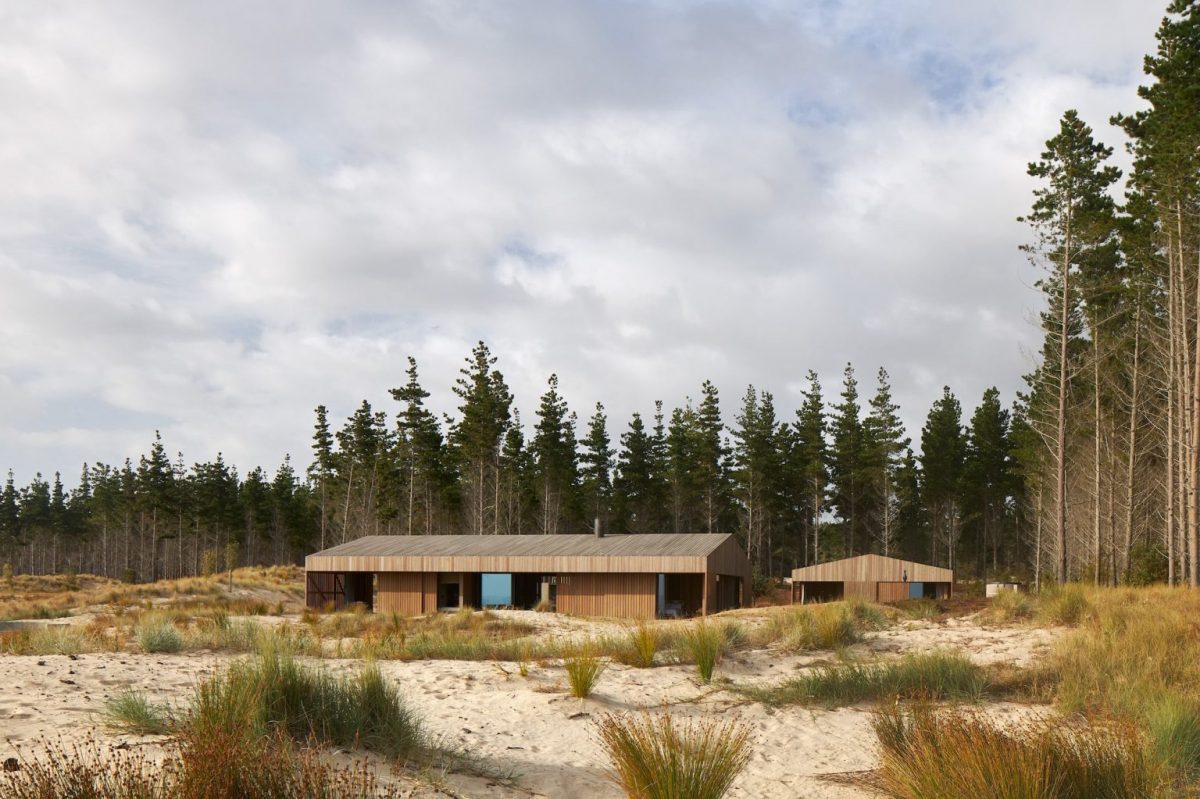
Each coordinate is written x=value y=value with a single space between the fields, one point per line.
x=932 y=676
x=952 y=753
x=194 y=767
x=705 y=643
x=130 y=711
x=584 y=665
x=655 y=757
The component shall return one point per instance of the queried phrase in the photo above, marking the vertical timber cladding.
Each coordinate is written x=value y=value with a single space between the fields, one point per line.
x=631 y=596
x=407 y=593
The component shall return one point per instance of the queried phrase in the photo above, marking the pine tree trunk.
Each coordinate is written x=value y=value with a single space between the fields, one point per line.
x=1096 y=454
x=1060 y=565
x=1194 y=459
x=1131 y=458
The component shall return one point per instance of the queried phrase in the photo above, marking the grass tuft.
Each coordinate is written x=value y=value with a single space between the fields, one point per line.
x=157 y=633
x=654 y=757
x=704 y=643
x=130 y=711
x=584 y=666
x=644 y=642
x=933 y=676
x=950 y=754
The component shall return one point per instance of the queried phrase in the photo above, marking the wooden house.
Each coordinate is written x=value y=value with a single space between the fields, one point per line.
x=631 y=576
x=872 y=577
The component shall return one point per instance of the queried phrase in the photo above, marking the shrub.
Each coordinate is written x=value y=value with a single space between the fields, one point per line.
x=129 y=576
x=584 y=667
x=130 y=711
x=208 y=563
x=158 y=634
x=7 y=574
x=952 y=754
x=935 y=675
x=653 y=757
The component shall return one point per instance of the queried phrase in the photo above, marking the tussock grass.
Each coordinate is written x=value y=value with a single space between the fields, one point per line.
x=274 y=691
x=919 y=609
x=584 y=665
x=130 y=711
x=654 y=757
x=1008 y=607
x=933 y=676
x=464 y=635
x=643 y=640
x=1173 y=730
x=53 y=640
x=221 y=767
x=1065 y=604
x=157 y=633
x=951 y=754
x=808 y=627
x=706 y=643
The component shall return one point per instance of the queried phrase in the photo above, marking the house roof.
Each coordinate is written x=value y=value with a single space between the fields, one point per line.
x=872 y=568
x=715 y=553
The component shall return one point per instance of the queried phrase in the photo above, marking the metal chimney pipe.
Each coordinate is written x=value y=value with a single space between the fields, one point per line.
x=596 y=527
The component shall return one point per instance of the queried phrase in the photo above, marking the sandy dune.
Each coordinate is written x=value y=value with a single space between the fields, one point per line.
x=528 y=730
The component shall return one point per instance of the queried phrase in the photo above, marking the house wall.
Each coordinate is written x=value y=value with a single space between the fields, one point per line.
x=406 y=593
x=629 y=596
x=872 y=568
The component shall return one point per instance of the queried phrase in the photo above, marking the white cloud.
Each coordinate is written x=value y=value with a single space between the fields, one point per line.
x=215 y=216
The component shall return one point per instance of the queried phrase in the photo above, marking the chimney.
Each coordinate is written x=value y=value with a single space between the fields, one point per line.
x=596 y=527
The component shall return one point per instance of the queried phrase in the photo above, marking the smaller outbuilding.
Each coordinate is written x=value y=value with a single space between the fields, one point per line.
x=991 y=590
x=872 y=577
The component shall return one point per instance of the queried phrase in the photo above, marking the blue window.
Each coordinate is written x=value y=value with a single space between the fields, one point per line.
x=496 y=590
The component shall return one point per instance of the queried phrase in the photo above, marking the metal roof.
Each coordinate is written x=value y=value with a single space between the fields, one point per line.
x=619 y=545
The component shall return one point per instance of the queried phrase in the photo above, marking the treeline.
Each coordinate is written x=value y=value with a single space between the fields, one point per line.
x=1094 y=472
x=826 y=481
x=1110 y=463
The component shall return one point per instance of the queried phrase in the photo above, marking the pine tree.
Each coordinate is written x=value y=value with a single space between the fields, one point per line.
x=478 y=436
x=884 y=443
x=322 y=467
x=847 y=467
x=987 y=484
x=554 y=460
x=810 y=457
x=1068 y=218
x=596 y=465
x=943 y=449
x=422 y=456
x=633 y=487
x=710 y=459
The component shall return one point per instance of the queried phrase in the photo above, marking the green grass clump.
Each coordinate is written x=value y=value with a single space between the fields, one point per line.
x=653 y=757
x=919 y=609
x=809 y=627
x=157 y=633
x=584 y=666
x=706 y=643
x=951 y=754
x=643 y=640
x=274 y=691
x=1063 y=605
x=1173 y=730
x=935 y=675
x=1009 y=606
x=51 y=640
x=130 y=711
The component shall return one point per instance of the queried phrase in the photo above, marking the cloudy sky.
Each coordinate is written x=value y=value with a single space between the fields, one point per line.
x=214 y=216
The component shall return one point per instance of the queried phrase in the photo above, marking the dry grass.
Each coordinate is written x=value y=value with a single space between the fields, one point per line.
x=951 y=753
x=933 y=675
x=584 y=665
x=654 y=757
x=218 y=767
x=706 y=643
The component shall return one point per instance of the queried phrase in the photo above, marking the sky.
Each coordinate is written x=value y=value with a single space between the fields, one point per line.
x=215 y=216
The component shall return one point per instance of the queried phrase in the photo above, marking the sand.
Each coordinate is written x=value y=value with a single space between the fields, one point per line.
x=525 y=732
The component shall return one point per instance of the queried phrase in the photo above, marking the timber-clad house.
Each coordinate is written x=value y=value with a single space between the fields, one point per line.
x=641 y=576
